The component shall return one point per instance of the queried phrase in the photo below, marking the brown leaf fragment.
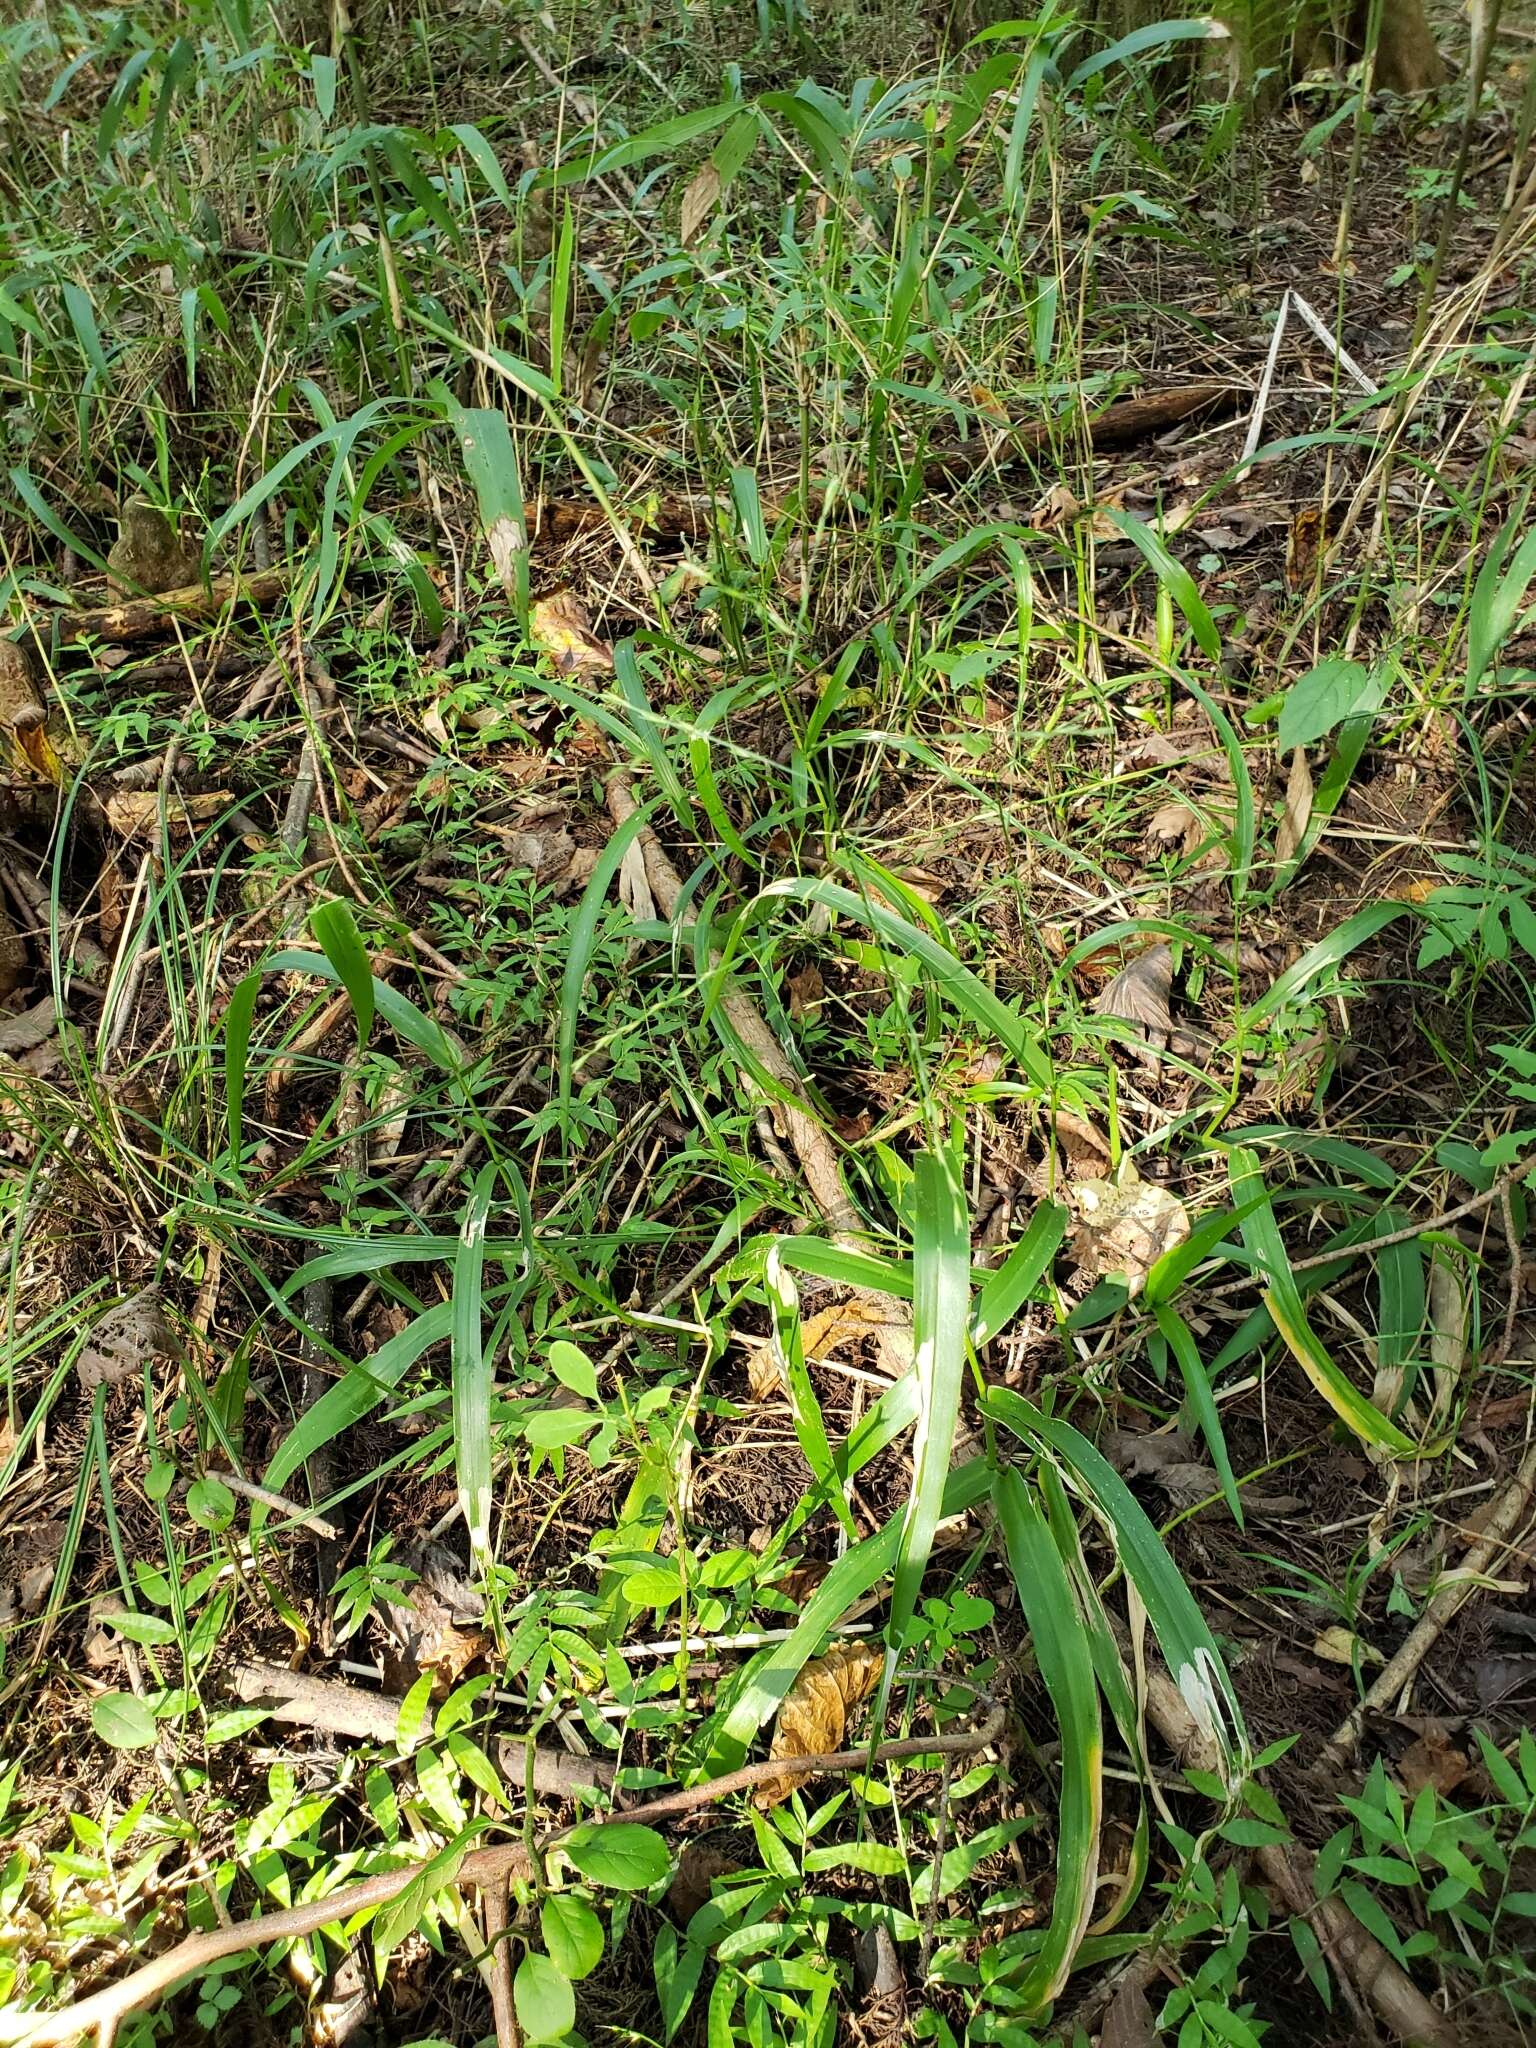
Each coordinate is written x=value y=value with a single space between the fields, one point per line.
x=699 y=202
x=1141 y=993
x=1433 y=1760
x=561 y=629
x=1297 y=814
x=126 y=1336
x=130 y=811
x=1129 y=2023
x=815 y=1711
x=1176 y=821
x=13 y=955
x=22 y=705
x=1125 y=1226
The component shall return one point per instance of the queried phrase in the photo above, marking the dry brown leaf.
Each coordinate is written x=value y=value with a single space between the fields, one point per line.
x=801 y=1580
x=699 y=202
x=21 y=701
x=1141 y=992
x=138 y=810
x=815 y=1711
x=1125 y=1226
x=560 y=628
x=1176 y=821
x=1298 y=809
x=1432 y=1760
x=1129 y=2023
x=806 y=990
x=821 y=1334
x=125 y=1337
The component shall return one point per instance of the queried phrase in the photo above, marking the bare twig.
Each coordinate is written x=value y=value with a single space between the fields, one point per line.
x=1366 y=1972
x=141 y=618
x=1497 y=1192
x=485 y=1868
x=493 y=1906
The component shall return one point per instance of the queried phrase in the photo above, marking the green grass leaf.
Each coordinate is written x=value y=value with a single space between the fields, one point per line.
x=1324 y=697
x=1261 y=1233
x=336 y=929
x=471 y=1372
x=966 y=991
x=1061 y=1649
x=1171 y=573
x=1498 y=595
x=804 y=1408
x=941 y=1299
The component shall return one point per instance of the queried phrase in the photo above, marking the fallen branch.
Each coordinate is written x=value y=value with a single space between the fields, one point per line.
x=485 y=1868
x=1367 y=1974
x=335 y=1708
x=1501 y=1525
x=141 y=618
x=1120 y=424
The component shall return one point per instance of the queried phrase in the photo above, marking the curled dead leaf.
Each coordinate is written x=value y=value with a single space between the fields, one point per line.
x=1340 y=1645
x=560 y=628
x=1142 y=991
x=130 y=811
x=126 y=1336
x=815 y=1711
x=1125 y=1226
x=699 y=202
x=22 y=705
x=1297 y=814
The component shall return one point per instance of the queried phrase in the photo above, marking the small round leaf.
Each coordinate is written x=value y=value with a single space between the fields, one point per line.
x=546 y=2005
x=123 y=1720
x=573 y=1934
x=210 y=1503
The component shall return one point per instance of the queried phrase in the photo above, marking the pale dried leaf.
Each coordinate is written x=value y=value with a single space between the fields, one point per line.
x=138 y=810
x=634 y=884
x=1125 y=1226
x=1142 y=992
x=1339 y=1645
x=1176 y=821
x=815 y=1712
x=561 y=629
x=764 y=1378
x=1082 y=1146
x=22 y=705
x=699 y=202
x=29 y=1029
x=392 y=1108
x=1298 y=808
x=125 y=1337
x=507 y=542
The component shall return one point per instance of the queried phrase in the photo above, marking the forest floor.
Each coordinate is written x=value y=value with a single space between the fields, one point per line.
x=766 y=988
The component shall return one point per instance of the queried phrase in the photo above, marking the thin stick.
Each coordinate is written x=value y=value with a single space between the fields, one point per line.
x=494 y=1909
x=485 y=1868
x=1406 y=1235
x=1443 y=1605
